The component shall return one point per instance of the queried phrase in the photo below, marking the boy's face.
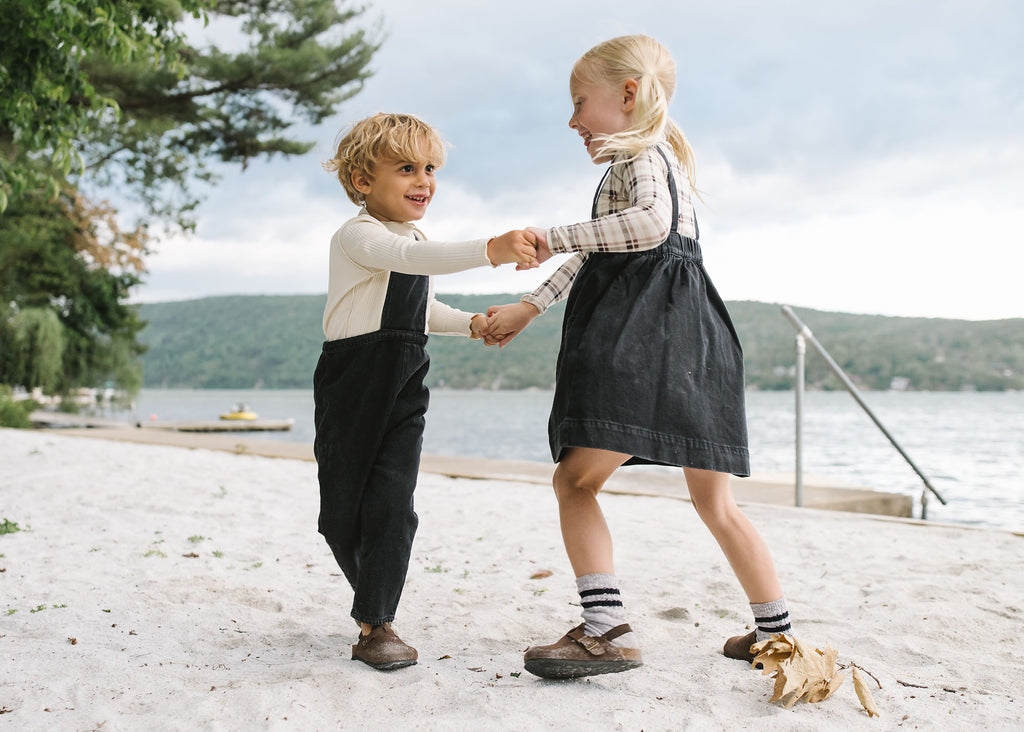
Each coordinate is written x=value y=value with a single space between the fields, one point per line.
x=397 y=190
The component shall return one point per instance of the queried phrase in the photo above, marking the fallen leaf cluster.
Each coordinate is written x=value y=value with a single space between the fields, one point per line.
x=804 y=674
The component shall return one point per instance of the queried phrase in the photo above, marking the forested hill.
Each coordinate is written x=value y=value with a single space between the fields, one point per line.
x=273 y=341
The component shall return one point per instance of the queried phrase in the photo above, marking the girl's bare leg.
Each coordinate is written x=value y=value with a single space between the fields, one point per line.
x=578 y=479
x=743 y=546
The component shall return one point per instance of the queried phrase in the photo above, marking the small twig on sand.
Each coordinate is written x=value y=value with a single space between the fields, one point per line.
x=907 y=683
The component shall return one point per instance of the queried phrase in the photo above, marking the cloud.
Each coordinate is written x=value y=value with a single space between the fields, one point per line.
x=867 y=157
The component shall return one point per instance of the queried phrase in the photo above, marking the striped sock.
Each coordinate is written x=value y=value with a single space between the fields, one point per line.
x=771 y=618
x=602 y=607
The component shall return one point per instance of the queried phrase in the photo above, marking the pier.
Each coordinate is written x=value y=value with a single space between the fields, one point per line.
x=775 y=490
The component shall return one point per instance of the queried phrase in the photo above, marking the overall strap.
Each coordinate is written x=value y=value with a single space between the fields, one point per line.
x=405 y=304
x=672 y=190
x=597 y=193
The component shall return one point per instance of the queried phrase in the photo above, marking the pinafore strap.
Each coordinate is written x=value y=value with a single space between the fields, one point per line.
x=672 y=191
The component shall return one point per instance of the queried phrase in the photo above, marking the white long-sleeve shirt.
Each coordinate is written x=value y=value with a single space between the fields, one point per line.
x=364 y=253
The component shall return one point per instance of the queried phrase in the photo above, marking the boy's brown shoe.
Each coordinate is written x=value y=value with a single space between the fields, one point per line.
x=383 y=649
x=576 y=654
x=738 y=647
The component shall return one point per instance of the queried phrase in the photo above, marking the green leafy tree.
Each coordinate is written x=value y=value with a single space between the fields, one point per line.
x=68 y=258
x=38 y=343
x=47 y=100
x=123 y=95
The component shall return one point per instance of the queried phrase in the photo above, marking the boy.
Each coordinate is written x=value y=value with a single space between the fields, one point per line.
x=368 y=388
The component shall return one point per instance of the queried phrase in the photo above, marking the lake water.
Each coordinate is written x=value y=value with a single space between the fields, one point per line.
x=970 y=445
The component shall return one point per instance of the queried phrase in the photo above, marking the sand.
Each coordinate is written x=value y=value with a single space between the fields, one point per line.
x=154 y=587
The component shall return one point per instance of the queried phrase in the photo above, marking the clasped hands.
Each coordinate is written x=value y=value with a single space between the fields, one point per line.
x=502 y=323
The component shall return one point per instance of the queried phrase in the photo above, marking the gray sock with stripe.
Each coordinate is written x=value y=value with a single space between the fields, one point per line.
x=602 y=607
x=771 y=618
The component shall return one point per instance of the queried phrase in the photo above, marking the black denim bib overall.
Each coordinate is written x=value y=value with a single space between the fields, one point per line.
x=650 y=364
x=370 y=402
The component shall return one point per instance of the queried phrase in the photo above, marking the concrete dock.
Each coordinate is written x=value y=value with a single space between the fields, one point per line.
x=774 y=490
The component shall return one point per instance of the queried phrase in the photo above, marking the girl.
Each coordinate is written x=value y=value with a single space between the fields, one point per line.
x=650 y=369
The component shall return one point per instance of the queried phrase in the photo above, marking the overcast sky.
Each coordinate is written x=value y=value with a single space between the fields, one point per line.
x=861 y=157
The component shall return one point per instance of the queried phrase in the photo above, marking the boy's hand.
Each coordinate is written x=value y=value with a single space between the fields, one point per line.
x=514 y=247
x=478 y=326
x=505 y=322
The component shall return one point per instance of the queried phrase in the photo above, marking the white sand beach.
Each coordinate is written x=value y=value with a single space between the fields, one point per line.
x=162 y=588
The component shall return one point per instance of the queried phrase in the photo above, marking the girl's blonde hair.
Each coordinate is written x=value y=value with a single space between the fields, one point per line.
x=382 y=136
x=646 y=61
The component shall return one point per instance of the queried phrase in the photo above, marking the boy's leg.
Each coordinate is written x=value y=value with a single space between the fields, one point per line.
x=341 y=452
x=387 y=516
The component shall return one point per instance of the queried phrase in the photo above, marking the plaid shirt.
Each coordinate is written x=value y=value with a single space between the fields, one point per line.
x=634 y=213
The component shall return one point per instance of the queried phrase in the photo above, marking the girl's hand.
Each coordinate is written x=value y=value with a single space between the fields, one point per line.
x=541 y=237
x=505 y=322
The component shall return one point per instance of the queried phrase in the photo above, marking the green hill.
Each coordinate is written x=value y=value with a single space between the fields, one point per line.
x=273 y=341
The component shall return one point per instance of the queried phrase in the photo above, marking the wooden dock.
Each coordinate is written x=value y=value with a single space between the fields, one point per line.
x=62 y=420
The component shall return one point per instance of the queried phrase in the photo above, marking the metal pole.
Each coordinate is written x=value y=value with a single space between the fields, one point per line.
x=801 y=349
x=850 y=387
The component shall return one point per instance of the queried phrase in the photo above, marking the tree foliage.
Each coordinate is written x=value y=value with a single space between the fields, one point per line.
x=68 y=258
x=130 y=95
x=119 y=92
x=47 y=100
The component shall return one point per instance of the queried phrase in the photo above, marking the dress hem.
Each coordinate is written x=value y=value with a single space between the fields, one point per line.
x=649 y=447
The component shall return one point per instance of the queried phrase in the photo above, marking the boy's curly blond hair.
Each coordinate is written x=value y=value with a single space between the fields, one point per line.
x=395 y=136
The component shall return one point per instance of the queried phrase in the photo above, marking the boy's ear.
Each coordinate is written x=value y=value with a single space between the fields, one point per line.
x=362 y=181
x=629 y=87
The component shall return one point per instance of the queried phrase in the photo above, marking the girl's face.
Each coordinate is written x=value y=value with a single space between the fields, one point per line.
x=600 y=110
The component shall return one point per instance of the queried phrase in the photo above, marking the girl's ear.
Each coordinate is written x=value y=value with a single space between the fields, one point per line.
x=629 y=87
x=362 y=181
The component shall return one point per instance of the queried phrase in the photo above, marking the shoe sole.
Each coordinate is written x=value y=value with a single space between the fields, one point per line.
x=387 y=665
x=550 y=668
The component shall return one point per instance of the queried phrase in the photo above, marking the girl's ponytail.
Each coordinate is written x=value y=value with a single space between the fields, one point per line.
x=681 y=146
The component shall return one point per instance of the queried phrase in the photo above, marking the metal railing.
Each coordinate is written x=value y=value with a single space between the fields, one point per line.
x=803 y=337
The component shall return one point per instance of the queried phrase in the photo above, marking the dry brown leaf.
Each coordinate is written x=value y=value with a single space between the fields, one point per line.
x=863 y=694
x=802 y=674
x=541 y=574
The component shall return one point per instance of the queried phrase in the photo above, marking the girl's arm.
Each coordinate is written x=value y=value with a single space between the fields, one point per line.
x=644 y=224
x=505 y=322
x=556 y=287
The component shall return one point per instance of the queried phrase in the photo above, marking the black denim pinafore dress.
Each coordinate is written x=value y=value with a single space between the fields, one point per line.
x=650 y=364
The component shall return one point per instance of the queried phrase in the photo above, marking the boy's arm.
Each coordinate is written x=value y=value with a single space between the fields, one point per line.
x=370 y=245
x=445 y=320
